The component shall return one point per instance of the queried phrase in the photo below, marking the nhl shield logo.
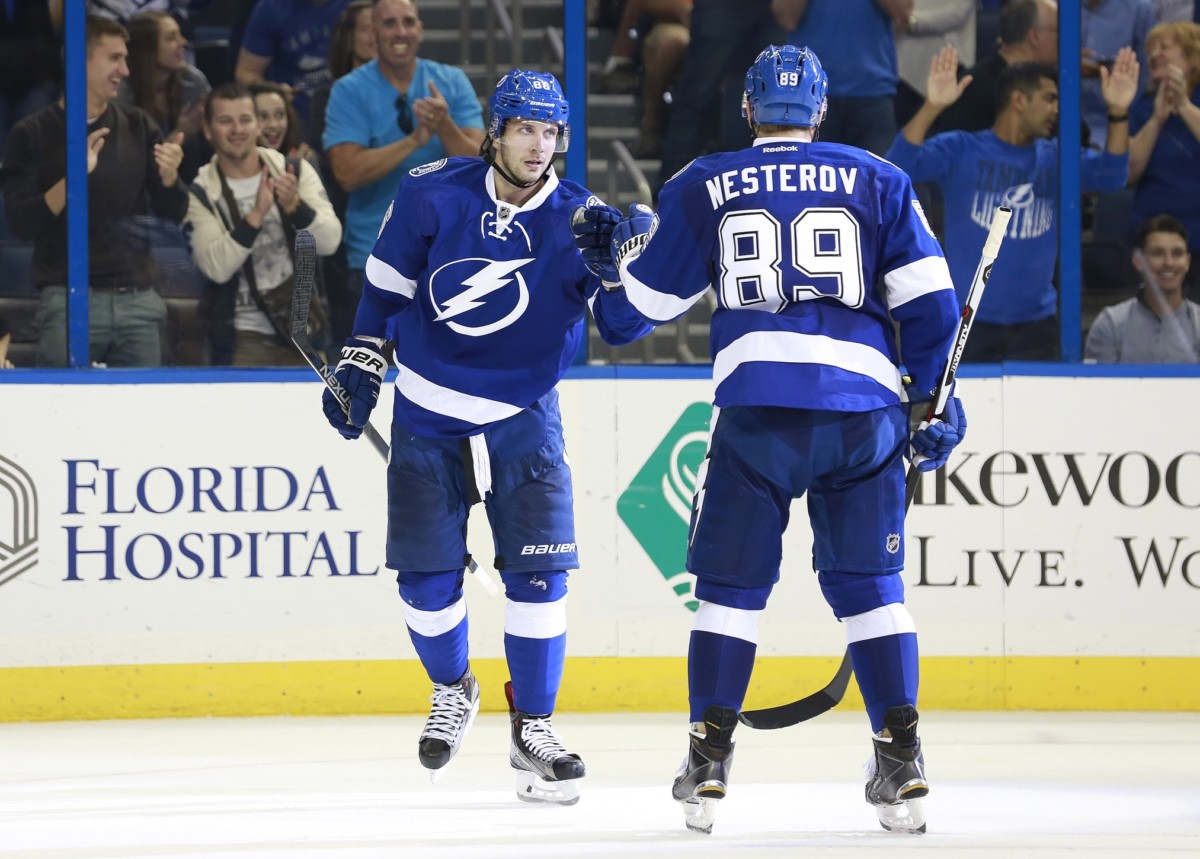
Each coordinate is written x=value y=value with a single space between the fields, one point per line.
x=504 y=213
x=893 y=543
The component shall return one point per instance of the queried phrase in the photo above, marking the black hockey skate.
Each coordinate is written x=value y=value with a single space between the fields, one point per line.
x=453 y=711
x=896 y=773
x=702 y=779
x=546 y=771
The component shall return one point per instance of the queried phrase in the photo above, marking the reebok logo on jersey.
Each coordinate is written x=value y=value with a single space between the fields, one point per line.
x=476 y=296
x=781 y=149
x=547 y=549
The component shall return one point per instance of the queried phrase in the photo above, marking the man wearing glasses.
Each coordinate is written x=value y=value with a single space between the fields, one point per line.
x=386 y=117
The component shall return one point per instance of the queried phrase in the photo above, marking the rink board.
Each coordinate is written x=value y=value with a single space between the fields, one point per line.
x=187 y=549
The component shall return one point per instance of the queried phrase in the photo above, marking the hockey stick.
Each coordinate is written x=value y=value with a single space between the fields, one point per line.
x=304 y=277
x=786 y=715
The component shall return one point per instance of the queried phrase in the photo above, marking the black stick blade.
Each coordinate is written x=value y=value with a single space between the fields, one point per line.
x=304 y=277
x=786 y=715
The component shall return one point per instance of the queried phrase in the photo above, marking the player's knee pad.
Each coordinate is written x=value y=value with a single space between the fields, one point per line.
x=850 y=594
x=431 y=591
x=543 y=587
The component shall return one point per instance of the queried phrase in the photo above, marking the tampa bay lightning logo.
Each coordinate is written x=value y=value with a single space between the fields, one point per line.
x=477 y=296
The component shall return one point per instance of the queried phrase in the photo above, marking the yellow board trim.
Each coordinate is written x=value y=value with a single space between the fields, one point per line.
x=590 y=685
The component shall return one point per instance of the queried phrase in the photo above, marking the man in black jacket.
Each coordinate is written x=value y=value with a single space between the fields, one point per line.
x=132 y=176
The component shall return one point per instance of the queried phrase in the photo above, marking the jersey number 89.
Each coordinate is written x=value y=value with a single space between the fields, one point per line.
x=825 y=251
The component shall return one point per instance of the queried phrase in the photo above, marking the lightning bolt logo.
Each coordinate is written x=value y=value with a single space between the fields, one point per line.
x=484 y=282
x=492 y=277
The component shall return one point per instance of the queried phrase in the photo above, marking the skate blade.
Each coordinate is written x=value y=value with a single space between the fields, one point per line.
x=908 y=817
x=700 y=814
x=532 y=788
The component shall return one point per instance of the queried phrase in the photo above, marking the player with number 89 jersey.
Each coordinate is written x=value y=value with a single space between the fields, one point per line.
x=798 y=233
x=816 y=251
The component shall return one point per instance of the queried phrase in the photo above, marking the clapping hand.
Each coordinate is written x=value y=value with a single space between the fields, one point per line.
x=285 y=189
x=432 y=111
x=168 y=156
x=95 y=142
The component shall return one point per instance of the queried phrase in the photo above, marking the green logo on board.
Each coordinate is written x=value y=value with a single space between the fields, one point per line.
x=657 y=506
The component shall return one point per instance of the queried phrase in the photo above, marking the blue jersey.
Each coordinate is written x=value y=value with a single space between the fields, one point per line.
x=484 y=300
x=813 y=249
x=978 y=172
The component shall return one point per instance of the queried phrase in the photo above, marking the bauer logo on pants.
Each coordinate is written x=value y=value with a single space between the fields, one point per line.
x=657 y=505
x=18 y=521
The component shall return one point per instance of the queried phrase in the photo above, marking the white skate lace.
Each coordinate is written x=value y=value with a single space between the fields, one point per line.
x=538 y=736
x=446 y=718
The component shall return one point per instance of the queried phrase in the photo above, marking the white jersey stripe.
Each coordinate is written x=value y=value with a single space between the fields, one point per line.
x=654 y=305
x=916 y=279
x=445 y=401
x=790 y=347
x=388 y=279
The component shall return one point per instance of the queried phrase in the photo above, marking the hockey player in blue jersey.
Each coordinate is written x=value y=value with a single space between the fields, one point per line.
x=814 y=250
x=476 y=282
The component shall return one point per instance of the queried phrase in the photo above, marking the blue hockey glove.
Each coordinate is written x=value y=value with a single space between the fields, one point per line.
x=932 y=442
x=632 y=233
x=593 y=229
x=359 y=372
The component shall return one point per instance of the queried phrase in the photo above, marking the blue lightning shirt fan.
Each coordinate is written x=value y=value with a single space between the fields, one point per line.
x=476 y=281
x=814 y=250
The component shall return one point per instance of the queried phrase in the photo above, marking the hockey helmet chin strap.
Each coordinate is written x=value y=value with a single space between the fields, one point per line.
x=488 y=151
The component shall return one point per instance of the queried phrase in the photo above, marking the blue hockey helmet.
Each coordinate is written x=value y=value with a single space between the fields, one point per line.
x=785 y=86
x=530 y=95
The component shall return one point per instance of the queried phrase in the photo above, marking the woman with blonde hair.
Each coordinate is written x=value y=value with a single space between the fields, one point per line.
x=1164 y=151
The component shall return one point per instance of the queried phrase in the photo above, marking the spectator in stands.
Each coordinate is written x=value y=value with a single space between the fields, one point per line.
x=29 y=60
x=1028 y=34
x=161 y=82
x=131 y=173
x=666 y=23
x=726 y=36
x=5 y=340
x=386 y=117
x=351 y=44
x=932 y=24
x=1164 y=154
x=278 y=123
x=1158 y=325
x=244 y=210
x=1013 y=164
x=287 y=41
x=1108 y=26
x=860 y=59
